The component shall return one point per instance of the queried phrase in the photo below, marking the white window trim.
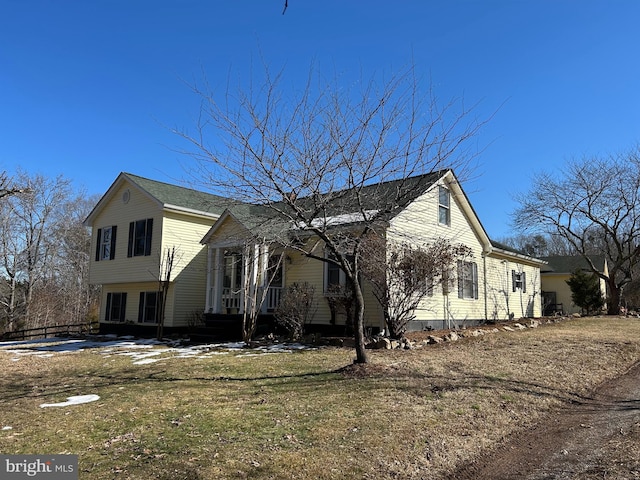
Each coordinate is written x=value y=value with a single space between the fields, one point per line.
x=447 y=207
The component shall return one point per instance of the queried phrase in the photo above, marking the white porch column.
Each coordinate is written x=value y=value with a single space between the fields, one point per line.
x=208 y=306
x=216 y=287
x=263 y=265
x=250 y=280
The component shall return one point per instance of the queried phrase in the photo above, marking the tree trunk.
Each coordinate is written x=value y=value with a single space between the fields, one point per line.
x=361 y=352
x=613 y=302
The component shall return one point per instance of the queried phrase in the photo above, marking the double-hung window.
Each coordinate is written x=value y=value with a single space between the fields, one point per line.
x=518 y=281
x=467 y=280
x=116 y=307
x=149 y=307
x=106 y=243
x=444 y=206
x=140 y=233
x=335 y=280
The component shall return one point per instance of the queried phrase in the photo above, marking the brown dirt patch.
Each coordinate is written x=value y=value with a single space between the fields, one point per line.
x=598 y=438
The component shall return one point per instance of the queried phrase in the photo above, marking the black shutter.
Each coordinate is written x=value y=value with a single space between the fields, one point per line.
x=524 y=283
x=513 y=280
x=123 y=306
x=132 y=227
x=159 y=312
x=107 y=313
x=112 y=254
x=475 y=280
x=147 y=240
x=98 y=238
x=141 y=308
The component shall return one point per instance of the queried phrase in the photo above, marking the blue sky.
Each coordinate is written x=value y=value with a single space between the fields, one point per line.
x=88 y=88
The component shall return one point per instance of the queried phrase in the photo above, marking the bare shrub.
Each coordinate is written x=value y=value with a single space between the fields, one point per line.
x=296 y=308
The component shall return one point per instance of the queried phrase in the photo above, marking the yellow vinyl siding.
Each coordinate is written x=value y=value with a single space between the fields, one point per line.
x=231 y=233
x=558 y=283
x=189 y=271
x=418 y=224
x=502 y=301
x=132 y=275
x=303 y=269
x=133 y=299
x=116 y=212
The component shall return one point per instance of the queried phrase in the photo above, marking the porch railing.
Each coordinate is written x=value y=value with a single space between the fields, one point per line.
x=273 y=298
x=231 y=299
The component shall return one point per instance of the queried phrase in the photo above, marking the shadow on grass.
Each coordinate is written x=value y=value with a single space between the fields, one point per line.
x=378 y=377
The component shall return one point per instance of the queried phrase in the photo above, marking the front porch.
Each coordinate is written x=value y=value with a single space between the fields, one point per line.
x=248 y=278
x=232 y=300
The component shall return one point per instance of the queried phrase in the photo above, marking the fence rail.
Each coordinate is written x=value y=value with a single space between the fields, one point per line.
x=51 y=330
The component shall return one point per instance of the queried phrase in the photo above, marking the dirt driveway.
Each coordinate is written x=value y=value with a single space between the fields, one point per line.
x=598 y=438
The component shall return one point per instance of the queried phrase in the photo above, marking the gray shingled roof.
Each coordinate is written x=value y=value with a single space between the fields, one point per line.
x=570 y=263
x=264 y=220
x=507 y=248
x=175 y=195
x=372 y=197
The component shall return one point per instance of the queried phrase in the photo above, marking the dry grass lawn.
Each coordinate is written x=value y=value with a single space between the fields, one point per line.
x=303 y=415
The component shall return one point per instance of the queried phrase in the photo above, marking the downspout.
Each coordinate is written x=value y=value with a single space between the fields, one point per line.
x=484 y=287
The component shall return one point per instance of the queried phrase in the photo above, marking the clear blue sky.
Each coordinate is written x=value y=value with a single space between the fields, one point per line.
x=88 y=88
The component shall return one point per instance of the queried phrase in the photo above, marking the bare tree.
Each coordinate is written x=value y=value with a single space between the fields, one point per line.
x=44 y=255
x=403 y=275
x=165 y=269
x=594 y=205
x=69 y=277
x=538 y=244
x=316 y=156
x=28 y=247
x=256 y=288
x=7 y=188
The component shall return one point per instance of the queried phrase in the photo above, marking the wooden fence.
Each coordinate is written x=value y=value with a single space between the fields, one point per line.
x=51 y=331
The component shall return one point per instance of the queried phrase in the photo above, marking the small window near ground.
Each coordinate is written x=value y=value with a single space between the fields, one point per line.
x=116 y=307
x=149 y=307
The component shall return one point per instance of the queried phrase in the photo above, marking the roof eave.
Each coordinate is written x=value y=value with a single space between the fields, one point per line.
x=190 y=211
x=526 y=258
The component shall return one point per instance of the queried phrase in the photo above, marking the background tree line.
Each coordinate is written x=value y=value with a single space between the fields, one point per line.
x=44 y=253
x=590 y=206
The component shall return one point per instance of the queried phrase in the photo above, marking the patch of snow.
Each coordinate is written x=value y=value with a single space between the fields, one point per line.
x=146 y=361
x=344 y=218
x=75 y=400
x=7 y=428
x=141 y=351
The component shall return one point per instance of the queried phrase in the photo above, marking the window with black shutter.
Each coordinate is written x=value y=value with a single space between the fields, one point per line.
x=149 y=307
x=518 y=281
x=140 y=234
x=106 y=243
x=116 y=307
